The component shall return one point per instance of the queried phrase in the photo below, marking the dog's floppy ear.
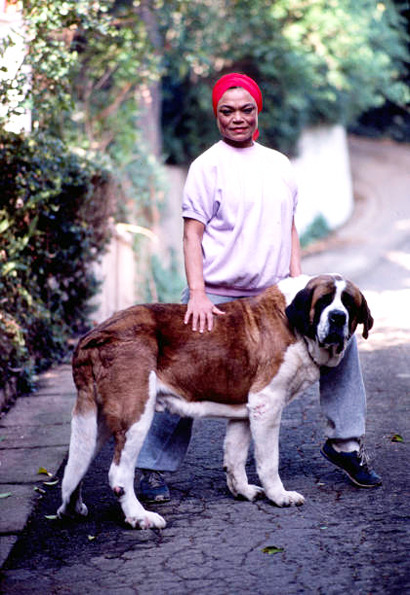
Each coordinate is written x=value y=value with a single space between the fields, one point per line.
x=364 y=317
x=298 y=311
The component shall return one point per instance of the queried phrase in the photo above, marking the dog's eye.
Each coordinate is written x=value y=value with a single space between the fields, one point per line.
x=323 y=302
x=348 y=301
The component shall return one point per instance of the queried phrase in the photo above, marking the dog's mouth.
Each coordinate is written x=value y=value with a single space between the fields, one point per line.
x=334 y=340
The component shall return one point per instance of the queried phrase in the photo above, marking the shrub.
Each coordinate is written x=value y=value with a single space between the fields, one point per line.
x=316 y=61
x=316 y=230
x=54 y=212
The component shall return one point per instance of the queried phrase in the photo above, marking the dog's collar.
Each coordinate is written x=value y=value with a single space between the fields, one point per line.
x=308 y=349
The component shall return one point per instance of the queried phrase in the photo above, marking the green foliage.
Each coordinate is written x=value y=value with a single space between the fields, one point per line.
x=92 y=65
x=54 y=210
x=83 y=53
x=316 y=230
x=84 y=75
x=167 y=279
x=316 y=61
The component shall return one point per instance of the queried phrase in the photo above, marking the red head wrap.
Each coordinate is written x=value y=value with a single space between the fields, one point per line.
x=237 y=80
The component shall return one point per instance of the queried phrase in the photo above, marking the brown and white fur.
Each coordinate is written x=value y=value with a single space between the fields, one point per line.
x=262 y=353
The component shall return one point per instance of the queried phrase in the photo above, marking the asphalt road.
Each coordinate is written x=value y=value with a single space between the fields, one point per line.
x=344 y=539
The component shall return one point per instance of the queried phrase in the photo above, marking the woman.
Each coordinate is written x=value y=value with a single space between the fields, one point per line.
x=240 y=237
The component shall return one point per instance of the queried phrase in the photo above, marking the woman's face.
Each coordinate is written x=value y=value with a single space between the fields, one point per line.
x=237 y=117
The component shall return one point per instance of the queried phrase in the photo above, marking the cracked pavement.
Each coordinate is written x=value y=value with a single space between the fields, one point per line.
x=342 y=540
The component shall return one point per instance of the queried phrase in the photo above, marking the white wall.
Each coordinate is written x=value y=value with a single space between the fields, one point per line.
x=117 y=272
x=324 y=177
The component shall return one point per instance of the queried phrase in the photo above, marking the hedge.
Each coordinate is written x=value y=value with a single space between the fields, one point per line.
x=54 y=225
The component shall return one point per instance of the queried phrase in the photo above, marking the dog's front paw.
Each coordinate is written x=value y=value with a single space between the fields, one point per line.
x=150 y=520
x=285 y=498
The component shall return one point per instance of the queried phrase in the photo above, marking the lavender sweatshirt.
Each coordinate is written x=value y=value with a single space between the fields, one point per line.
x=246 y=198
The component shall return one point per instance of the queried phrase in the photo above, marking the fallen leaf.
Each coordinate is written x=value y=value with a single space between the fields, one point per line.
x=397 y=438
x=91 y=537
x=272 y=549
x=51 y=517
x=50 y=483
x=6 y=495
x=43 y=471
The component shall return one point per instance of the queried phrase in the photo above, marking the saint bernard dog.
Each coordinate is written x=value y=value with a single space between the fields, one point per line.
x=261 y=354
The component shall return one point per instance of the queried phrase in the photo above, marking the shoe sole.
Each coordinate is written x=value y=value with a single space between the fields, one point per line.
x=352 y=479
x=156 y=500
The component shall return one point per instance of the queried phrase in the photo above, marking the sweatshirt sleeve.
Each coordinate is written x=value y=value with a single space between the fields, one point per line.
x=198 y=201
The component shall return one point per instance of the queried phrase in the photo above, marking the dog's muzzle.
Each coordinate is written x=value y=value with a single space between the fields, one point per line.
x=335 y=332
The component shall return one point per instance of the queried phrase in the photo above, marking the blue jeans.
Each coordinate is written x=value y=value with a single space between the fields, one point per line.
x=342 y=400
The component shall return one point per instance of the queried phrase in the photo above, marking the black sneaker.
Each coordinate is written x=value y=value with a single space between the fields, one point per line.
x=153 y=487
x=355 y=464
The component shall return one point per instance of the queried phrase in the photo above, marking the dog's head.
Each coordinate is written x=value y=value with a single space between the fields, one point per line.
x=327 y=312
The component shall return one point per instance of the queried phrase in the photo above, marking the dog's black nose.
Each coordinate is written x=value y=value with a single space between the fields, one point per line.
x=337 y=317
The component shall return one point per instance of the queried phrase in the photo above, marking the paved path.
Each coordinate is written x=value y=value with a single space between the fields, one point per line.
x=343 y=540
x=34 y=434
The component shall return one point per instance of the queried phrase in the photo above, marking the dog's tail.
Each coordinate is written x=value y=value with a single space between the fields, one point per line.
x=86 y=367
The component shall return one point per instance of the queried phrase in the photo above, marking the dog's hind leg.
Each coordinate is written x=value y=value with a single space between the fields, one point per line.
x=84 y=443
x=122 y=470
x=236 y=446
